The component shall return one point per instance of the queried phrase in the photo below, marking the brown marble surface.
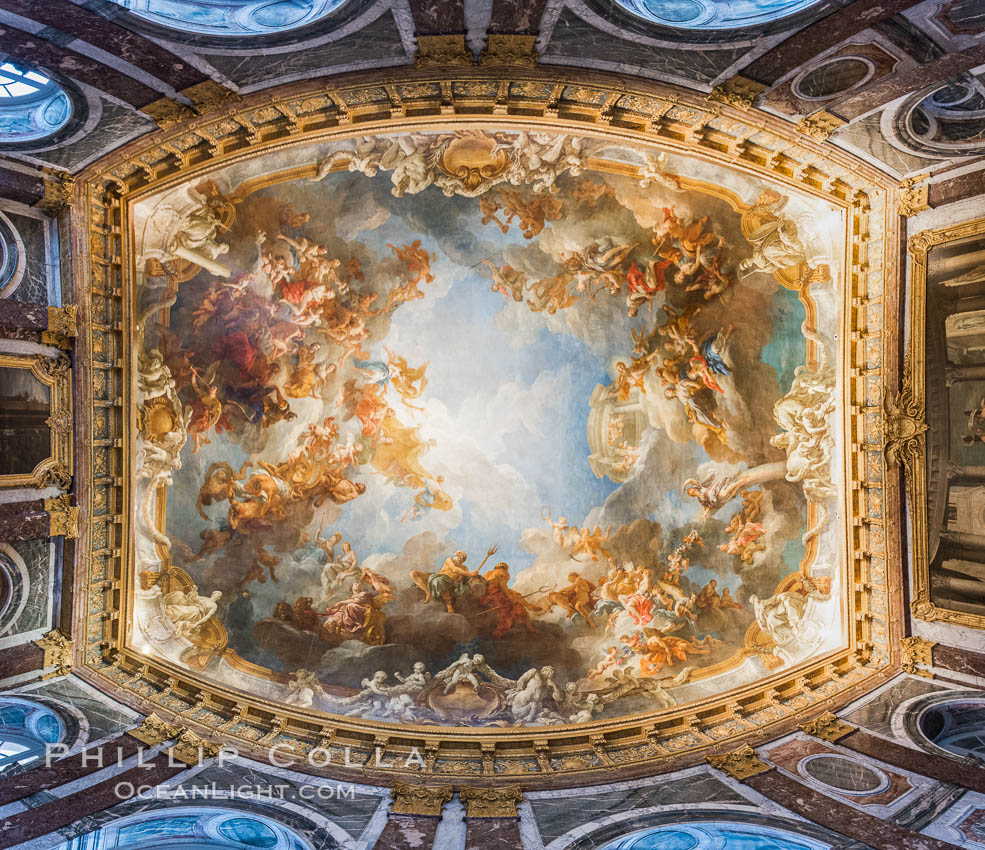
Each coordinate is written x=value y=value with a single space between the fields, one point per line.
x=517 y=16
x=18 y=186
x=938 y=194
x=36 y=51
x=407 y=832
x=26 y=507
x=933 y=766
x=896 y=85
x=798 y=50
x=30 y=525
x=66 y=770
x=17 y=660
x=94 y=28
x=19 y=315
x=842 y=818
x=439 y=17
x=67 y=810
x=492 y=834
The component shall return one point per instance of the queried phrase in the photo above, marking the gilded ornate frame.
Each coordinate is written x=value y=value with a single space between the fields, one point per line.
x=909 y=442
x=432 y=98
x=56 y=374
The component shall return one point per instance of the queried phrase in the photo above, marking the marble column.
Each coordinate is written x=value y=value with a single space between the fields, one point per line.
x=956 y=374
x=64 y=811
x=24 y=521
x=744 y=765
x=18 y=660
x=966 y=473
x=491 y=819
x=958 y=660
x=962 y=545
x=65 y=770
x=414 y=816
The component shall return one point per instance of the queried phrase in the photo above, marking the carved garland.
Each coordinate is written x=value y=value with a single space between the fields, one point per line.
x=590 y=106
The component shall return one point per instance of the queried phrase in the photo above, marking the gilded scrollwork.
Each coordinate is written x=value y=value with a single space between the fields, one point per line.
x=491 y=802
x=905 y=426
x=828 y=727
x=740 y=763
x=57 y=652
x=419 y=799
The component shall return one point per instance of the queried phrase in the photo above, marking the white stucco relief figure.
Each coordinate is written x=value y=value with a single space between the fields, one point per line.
x=780 y=242
x=188 y=610
x=186 y=227
x=468 y=163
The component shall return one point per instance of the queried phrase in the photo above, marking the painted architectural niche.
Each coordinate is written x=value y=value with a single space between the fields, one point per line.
x=948 y=349
x=486 y=429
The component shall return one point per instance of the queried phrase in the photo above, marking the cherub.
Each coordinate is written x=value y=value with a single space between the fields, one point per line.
x=507 y=281
x=408 y=382
x=417 y=260
x=462 y=671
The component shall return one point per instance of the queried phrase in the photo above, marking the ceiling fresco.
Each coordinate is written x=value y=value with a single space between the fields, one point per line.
x=486 y=428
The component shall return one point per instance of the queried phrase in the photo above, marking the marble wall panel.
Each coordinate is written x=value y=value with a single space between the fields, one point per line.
x=559 y=813
x=876 y=716
x=574 y=41
x=36 y=612
x=33 y=287
x=116 y=124
x=376 y=45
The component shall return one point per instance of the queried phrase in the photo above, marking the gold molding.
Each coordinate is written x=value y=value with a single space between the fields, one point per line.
x=57 y=653
x=905 y=423
x=917 y=651
x=820 y=125
x=192 y=749
x=154 y=731
x=920 y=245
x=914 y=195
x=491 y=802
x=166 y=112
x=740 y=763
x=737 y=91
x=426 y=800
x=55 y=373
x=210 y=95
x=422 y=100
x=63 y=326
x=442 y=50
x=58 y=189
x=828 y=727
x=63 y=518
x=510 y=50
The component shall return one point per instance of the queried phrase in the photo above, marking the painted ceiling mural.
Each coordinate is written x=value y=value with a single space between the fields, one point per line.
x=487 y=428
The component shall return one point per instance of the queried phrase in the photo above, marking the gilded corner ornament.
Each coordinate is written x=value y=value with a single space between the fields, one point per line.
x=209 y=95
x=738 y=91
x=166 y=112
x=57 y=652
x=63 y=326
x=442 y=50
x=917 y=651
x=63 y=518
x=491 y=802
x=914 y=195
x=740 y=763
x=828 y=727
x=419 y=799
x=154 y=731
x=58 y=189
x=192 y=749
x=510 y=50
x=905 y=424
x=820 y=125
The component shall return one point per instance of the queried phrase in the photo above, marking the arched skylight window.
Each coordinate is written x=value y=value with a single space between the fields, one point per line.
x=714 y=14
x=715 y=835
x=32 y=105
x=26 y=728
x=231 y=17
